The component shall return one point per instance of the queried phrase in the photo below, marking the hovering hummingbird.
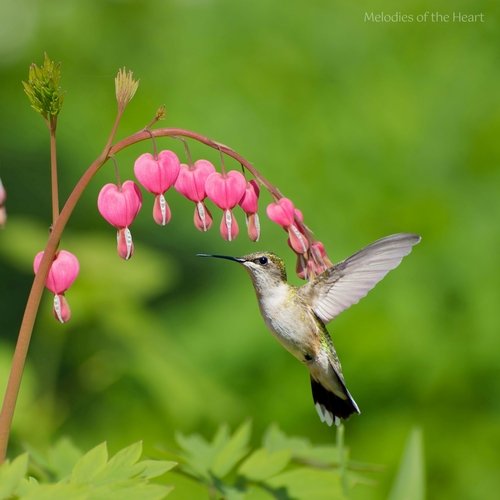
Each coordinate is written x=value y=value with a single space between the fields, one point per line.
x=297 y=315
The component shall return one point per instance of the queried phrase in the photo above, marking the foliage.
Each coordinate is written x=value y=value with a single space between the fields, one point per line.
x=92 y=476
x=227 y=467
x=282 y=467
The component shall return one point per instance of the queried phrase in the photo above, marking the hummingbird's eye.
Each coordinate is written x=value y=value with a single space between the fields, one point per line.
x=263 y=260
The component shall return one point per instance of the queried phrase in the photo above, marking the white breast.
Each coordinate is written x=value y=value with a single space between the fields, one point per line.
x=285 y=318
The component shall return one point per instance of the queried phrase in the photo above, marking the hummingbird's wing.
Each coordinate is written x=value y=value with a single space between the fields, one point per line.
x=349 y=281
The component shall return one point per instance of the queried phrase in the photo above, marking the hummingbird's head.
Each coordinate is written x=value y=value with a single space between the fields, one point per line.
x=265 y=268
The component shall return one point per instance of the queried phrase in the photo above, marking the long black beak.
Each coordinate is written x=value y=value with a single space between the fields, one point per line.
x=227 y=257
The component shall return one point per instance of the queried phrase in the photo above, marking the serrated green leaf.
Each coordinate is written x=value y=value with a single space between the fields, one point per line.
x=275 y=439
x=12 y=474
x=233 y=451
x=306 y=483
x=90 y=465
x=263 y=464
x=410 y=480
x=198 y=453
x=121 y=466
x=155 y=468
x=62 y=456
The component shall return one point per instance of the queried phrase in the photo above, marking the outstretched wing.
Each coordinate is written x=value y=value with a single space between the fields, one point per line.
x=349 y=281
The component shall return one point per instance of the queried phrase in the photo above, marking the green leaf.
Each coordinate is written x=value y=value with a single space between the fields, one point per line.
x=90 y=465
x=155 y=468
x=12 y=474
x=263 y=464
x=62 y=456
x=410 y=480
x=300 y=448
x=121 y=465
x=233 y=451
x=305 y=483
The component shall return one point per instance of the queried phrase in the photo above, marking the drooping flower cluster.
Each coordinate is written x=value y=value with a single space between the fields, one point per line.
x=198 y=181
x=311 y=255
x=3 y=211
x=62 y=273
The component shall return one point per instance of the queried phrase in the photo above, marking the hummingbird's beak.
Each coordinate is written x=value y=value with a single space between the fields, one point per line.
x=227 y=257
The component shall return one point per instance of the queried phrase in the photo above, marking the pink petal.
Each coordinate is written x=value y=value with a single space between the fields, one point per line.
x=298 y=241
x=225 y=190
x=157 y=175
x=62 y=273
x=191 y=180
x=282 y=212
x=202 y=217
x=161 y=211
x=249 y=201
x=120 y=206
x=228 y=226
x=61 y=309
x=124 y=243
x=253 y=226
x=3 y=194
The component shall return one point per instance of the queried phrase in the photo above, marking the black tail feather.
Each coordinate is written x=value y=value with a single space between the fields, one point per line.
x=331 y=407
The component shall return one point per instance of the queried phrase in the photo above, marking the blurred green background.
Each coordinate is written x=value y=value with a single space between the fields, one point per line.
x=371 y=128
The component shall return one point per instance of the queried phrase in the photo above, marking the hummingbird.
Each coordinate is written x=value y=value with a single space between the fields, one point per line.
x=297 y=316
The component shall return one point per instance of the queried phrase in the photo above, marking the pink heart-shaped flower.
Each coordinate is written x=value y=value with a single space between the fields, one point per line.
x=282 y=212
x=191 y=180
x=62 y=273
x=157 y=176
x=226 y=190
x=249 y=201
x=120 y=205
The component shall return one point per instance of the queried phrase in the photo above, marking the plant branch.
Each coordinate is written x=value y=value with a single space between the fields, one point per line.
x=52 y=124
x=34 y=298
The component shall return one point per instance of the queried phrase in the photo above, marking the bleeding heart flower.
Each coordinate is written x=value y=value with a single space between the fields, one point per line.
x=191 y=184
x=249 y=204
x=62 y=273
x=226 y=191
x=284 y=213
x=157 y=176
x=119 y=205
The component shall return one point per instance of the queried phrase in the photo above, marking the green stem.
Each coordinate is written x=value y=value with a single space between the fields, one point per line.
x=34 y=298
x=52 y=124
x=342 y=460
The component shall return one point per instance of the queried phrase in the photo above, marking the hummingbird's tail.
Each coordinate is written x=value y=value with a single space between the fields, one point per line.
x=330 y=407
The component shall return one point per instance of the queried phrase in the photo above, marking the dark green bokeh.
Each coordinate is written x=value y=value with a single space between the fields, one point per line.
x=371 y=128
